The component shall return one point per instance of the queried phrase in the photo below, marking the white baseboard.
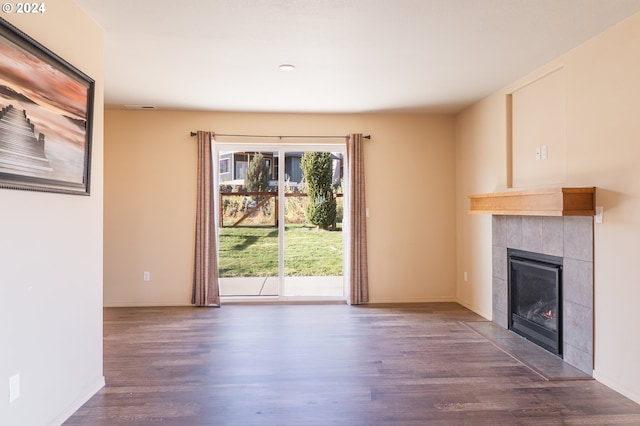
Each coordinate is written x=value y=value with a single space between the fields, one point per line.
x=487 y=316
x=623 y=390
x=130 y=304
x=86 y=396
x=137 y=304
x=412 y=300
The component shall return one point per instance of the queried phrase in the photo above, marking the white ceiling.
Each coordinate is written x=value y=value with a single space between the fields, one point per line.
x=350 y=55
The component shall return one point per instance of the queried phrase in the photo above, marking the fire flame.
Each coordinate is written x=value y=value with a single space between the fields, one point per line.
x=549 y=314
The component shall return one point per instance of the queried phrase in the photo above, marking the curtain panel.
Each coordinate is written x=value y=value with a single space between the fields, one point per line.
x=206 y=291
x=358 y=264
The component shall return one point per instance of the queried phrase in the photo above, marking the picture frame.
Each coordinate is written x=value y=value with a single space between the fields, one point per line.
x=46 y=118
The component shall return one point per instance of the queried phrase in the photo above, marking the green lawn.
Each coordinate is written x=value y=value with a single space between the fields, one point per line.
x=253 y=252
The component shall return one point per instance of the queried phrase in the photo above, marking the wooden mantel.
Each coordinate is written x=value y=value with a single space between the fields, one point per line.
x=536 y=202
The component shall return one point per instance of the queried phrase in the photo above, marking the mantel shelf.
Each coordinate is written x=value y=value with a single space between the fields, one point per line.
x=537 y=202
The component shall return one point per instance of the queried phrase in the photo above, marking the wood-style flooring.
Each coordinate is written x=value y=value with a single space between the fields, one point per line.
x=321 y=365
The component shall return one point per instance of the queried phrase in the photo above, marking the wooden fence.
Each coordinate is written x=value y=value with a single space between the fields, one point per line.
x=249 y=210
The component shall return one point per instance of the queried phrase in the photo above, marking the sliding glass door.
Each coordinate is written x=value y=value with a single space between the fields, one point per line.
x=280 y=237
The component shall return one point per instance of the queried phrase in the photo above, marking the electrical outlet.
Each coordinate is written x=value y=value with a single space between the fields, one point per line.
x=14 y=387
x=545 y=152
x=146 y=276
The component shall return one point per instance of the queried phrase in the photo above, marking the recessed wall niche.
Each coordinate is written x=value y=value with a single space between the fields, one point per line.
x=537 y=132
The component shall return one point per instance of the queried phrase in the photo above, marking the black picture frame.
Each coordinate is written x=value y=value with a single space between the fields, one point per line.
x=46 y=118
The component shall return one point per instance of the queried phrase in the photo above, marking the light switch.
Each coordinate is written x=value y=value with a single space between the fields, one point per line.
x=599 y=214
x=544 y=154
x=537 y=152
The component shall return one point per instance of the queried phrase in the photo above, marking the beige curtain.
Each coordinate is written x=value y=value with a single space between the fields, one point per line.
x=358 y=268
x=206 y=290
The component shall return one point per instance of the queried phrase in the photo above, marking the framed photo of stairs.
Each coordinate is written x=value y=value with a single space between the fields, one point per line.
x=46 y=117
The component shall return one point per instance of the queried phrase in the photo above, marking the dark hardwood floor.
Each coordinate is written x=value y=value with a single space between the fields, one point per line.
x=326 y=365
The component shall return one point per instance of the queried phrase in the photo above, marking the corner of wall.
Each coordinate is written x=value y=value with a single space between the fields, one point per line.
x=51 y=258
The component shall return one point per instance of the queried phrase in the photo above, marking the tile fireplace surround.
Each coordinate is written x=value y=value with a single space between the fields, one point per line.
x=569 y=237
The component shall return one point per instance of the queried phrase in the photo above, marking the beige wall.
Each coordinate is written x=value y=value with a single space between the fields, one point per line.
x=602 y=84
x=51 y=259
x=150 y=184
x=538 y=123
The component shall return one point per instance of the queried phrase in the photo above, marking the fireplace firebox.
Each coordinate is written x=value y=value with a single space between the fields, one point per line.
x=535 y=298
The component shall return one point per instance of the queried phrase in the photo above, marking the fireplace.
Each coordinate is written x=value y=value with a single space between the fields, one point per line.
x=569 y=238
x=535 y=298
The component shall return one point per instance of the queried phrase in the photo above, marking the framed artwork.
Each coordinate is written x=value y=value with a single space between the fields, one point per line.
x=46 y=118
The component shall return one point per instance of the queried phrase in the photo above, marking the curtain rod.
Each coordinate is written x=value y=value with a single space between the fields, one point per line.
x=282 y=137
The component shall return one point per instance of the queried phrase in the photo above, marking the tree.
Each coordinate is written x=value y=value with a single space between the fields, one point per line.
x=318 y=174
x=258 y=174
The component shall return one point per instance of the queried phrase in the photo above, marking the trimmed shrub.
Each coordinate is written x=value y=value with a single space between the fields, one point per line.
x=258 y=174
x=318 y=174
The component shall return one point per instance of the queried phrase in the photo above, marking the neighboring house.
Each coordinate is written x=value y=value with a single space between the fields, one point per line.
x=233 y=166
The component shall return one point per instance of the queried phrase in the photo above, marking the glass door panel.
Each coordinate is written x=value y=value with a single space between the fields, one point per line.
x=313 y=241
x=248 y=223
